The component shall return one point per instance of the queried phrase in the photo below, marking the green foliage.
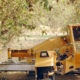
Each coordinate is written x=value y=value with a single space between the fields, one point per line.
x=12 y=16
x=16 y=14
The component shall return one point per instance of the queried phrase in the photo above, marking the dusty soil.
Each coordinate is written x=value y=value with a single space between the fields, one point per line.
x=23 y=76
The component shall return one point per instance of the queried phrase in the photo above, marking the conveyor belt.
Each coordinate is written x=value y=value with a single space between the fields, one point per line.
x=17 y=67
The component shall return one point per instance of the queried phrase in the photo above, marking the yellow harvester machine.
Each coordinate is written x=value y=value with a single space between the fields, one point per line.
x=60 y=54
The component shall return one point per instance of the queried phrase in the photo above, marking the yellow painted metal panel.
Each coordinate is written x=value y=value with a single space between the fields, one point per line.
x=45 y=61
x=51 y=44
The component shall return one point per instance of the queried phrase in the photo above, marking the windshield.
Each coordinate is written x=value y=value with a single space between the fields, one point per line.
x=76 y=32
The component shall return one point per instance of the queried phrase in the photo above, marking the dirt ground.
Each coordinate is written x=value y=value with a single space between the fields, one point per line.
x=24 y=76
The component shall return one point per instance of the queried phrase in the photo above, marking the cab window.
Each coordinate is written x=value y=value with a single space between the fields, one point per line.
x=76 y=33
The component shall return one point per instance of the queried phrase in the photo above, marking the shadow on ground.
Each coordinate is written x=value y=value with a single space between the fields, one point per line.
x=24 y=76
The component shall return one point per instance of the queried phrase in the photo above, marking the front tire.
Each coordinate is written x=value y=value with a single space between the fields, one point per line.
x=52 y=77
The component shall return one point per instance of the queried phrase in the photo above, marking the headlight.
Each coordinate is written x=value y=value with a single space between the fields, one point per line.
x=44 y=54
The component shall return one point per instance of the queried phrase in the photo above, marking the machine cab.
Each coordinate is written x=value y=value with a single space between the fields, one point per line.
x=76 y=34
x=75 y=37
x=75 y=40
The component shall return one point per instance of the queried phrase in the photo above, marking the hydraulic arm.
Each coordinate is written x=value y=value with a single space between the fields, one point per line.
x=49 y=45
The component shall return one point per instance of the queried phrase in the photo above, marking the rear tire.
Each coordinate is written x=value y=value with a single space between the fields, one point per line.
x=51 y=78
x=42 y=73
